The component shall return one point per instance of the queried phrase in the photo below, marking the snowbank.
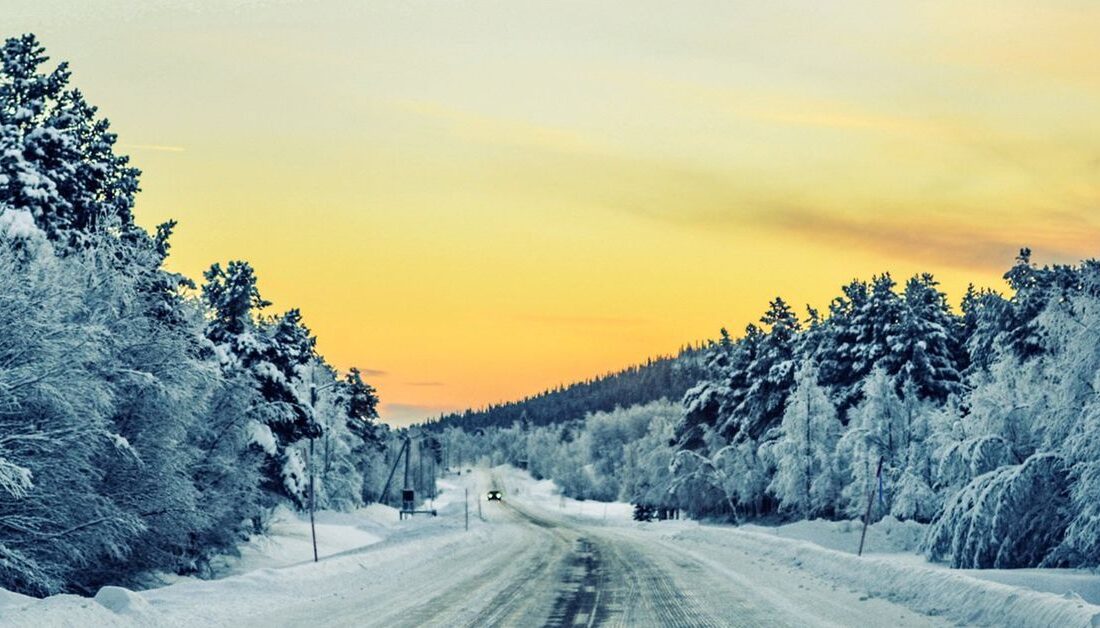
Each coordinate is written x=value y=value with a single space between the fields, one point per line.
x=887 y=536
x=275 y=561
x=1069 y=582
x=289 y=541
x=929 y=589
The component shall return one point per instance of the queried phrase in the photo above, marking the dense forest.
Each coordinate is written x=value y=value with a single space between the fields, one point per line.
x=662 y=377
x=147 y=423
x=984 y=424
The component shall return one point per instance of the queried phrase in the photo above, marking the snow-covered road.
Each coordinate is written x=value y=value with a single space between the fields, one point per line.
x=530 y=565
x=626 y=575
x=539 y=560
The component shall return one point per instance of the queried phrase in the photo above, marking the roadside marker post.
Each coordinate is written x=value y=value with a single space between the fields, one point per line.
x=870 y=502
x=468 y=509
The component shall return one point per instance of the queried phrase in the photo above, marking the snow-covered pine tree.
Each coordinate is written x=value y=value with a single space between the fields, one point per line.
x=855 y=338
x=269 y=352
x=57 y=159
x=925 y=342
x=367 y=438
x=723 y=364
x=768 y=377
x=986 y=316
x=840 y=368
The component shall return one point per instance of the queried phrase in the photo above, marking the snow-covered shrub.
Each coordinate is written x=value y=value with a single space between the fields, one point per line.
x=1012 y=517
x=1081 y=546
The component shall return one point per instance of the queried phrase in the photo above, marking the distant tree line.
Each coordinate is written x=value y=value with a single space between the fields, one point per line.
x=657 y=378
x=146 y=423
x=986 y=423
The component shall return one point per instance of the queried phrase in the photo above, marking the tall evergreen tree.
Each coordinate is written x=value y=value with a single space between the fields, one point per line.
x=269 y=352
x=768 y=378
x=925 y=343
x=57 y=159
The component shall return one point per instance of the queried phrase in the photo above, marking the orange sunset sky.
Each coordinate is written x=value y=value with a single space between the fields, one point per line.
x=474 y=200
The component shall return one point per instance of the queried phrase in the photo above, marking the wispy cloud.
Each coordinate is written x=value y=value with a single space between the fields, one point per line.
x=1061 y=237
x=373 y=372
x=154 y=147
x=794 y=109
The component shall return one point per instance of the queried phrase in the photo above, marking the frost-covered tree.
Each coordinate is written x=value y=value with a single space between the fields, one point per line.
x=609 y=433
x=55 y=422
x=893 y=426
x=806 y=481
x=646 y=460
x=1030 y=429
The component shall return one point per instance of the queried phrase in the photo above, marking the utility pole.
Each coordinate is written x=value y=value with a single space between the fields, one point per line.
x=313 y=390
x=312 y=485
x=312 y=501
x=393 y=469
x=408 y=452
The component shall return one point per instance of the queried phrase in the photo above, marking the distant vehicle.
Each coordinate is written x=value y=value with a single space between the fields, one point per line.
x=494 y=496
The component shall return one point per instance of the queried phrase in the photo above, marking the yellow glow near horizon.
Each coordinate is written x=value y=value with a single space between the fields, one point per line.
x=476 y=200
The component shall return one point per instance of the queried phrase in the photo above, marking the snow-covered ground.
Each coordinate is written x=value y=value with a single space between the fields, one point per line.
x=898 y=541
x=540 y=558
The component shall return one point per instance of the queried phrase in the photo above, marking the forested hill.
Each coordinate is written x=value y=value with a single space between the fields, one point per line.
x=666 y=376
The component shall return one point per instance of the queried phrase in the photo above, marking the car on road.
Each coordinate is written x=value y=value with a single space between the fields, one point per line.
x=494 y=496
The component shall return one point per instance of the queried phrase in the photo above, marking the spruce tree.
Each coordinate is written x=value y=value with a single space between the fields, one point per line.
x=269 y=352
x=57 y=159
